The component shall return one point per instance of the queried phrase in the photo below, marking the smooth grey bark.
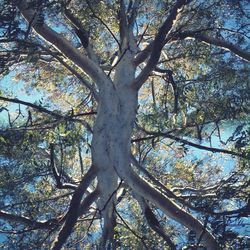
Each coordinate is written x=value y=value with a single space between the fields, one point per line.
x=111 y=147
x=153 y=222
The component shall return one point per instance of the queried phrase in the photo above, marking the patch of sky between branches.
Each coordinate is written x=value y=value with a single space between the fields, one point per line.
x=12 y=89
x=227 y=161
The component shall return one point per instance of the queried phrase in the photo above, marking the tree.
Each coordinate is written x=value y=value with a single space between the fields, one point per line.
x=136 y=84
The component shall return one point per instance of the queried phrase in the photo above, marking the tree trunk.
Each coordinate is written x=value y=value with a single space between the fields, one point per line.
x=111 y=155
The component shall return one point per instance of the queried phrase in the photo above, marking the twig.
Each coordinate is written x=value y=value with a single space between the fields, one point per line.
x=131 y=230
x=106 y=26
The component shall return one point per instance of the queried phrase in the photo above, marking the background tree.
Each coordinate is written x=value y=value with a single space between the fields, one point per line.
x=131 y=91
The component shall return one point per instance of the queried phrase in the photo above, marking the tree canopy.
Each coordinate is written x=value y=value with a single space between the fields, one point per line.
x=135 y=133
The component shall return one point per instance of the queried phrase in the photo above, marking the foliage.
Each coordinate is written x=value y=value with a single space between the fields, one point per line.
x=190 y=138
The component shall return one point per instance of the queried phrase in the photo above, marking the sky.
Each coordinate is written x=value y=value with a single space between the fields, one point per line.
x=17 y=89
x=13 y=89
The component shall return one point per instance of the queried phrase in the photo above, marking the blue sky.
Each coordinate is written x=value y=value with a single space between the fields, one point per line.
x=13 y=89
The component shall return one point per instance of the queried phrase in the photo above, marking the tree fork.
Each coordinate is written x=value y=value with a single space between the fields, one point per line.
x=114 y=131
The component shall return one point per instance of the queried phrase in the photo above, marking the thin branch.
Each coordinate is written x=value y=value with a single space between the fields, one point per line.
x=210 y=149
x=105 y=25
x=131 y=230
x=194 y=190
x=28 y=222
x=120 y=58
x=84 y=37
x=153 y=179
x=145 y=138
x=192 y=144
x=72 y=70
x=169 y=78
x=60 y=60
x=57 y=176
x=217 y=42
x=82 y=34
x=80 y=159
x=44 y=110
x=37 y=107
x=37 y=201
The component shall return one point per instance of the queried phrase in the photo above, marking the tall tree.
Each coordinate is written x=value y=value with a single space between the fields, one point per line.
x=131 y=87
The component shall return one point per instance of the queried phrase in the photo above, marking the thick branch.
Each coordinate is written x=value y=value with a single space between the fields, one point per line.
x=90 y=198
x=153 y=221
x=72 y=215
x=62 y=44
x=109 y=219
x=158 y=44
x=194 y=190
x=134 y=11
x=143 y=55
x=123 y=25
x=109 y=223
x=170 y=208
